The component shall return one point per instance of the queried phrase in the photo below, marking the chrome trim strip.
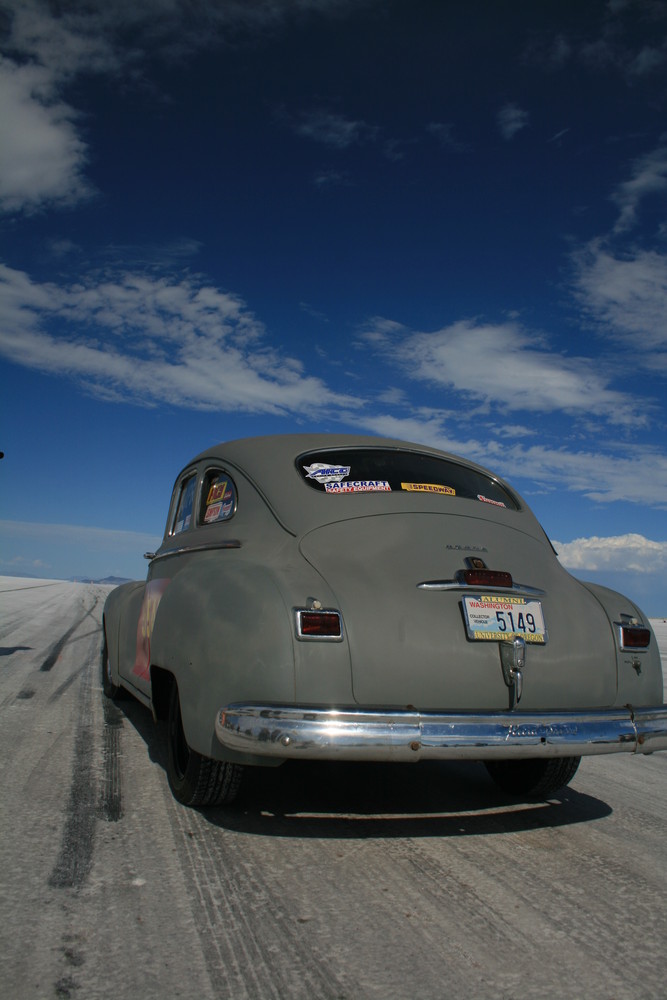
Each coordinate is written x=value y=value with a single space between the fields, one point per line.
x=299 y=731
x=457 y=585
x=232 y=543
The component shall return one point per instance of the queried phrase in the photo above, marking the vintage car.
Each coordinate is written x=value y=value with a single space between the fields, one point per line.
x=337 y=597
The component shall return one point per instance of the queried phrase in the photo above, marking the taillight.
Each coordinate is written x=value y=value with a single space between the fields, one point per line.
x=488 y=578
x=318 y=624
x=634 y=637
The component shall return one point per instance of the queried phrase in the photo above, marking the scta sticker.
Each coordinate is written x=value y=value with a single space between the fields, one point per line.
x=359 y=486
x=152 y=597
x=428 y=488
x=323 y=473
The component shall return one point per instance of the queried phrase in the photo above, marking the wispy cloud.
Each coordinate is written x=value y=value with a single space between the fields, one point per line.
x=333 y=129
x=511 y=119
x=601 y=475
x=626 y=295
x=134 y=337
x=79 y=535
x=631 y=552
x=505 y=366
x=612 y=42
x=44 y=47
x=445 y=134
x=649 y=177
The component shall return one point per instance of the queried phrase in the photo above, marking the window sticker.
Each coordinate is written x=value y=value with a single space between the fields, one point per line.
x=220 y=495
x=218 y=491
x=359 y=486
x=324 y=473
x=496 y=503
x=428 y=488
x=212 y=512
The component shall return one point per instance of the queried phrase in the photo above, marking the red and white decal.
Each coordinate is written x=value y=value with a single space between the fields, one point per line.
x=152 y=597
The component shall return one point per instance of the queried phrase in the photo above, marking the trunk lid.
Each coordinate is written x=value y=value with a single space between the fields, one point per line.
x=409 y=646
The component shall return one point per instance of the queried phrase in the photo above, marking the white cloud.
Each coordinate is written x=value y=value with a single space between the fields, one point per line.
x=511 y=119
x=45 y=46
x=153 y=340
x=506 y=366
x=41 y=155
x=620 y=552
x=627 y=295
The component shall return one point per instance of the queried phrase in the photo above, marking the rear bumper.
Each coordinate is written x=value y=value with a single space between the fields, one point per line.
x=299 y=731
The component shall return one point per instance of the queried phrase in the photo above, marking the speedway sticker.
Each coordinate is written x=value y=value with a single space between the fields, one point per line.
x=428 y=488
x=359 y=486
x=321 y=472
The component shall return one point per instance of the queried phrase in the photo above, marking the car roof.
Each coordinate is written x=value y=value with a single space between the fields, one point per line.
x=269 y=462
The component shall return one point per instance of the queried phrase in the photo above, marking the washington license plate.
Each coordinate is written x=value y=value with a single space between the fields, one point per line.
x=489 y=616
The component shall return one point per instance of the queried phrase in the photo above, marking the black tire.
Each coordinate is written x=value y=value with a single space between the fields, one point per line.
x=196 y=780
x=110 y=689
x=536 y=777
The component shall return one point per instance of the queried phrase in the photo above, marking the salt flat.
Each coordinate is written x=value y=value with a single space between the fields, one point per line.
x=334 y=881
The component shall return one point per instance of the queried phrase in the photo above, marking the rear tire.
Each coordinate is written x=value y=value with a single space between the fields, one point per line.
x=536 y=777
x=110 y=689
x=196 y=780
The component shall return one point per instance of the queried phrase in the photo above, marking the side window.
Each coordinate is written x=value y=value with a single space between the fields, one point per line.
x=186 y=501
x=218 y=497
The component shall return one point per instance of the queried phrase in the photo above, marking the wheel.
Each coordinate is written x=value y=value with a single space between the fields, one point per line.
x=535 y=777
x=110 y=689
x=196 y=780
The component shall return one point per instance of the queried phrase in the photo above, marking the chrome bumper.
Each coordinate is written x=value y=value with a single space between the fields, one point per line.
x=297 y=731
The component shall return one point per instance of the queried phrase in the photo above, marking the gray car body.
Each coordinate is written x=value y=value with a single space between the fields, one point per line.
x=216 y=612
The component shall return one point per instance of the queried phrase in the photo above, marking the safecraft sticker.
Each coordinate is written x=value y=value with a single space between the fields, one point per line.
x=428 y=488
x=359 y=486
x=324 y=473
x=496 y=503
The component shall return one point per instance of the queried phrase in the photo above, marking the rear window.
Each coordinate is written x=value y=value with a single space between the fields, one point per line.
x=375 y=470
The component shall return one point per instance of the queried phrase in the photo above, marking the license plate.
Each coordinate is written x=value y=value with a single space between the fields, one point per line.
x=489 y=616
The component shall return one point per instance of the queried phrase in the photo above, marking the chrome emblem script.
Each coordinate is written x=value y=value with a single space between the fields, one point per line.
x=513 y=659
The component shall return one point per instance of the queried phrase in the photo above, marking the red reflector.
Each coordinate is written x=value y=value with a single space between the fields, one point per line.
x=324 y=623
x=635 y=638
x=487 y=578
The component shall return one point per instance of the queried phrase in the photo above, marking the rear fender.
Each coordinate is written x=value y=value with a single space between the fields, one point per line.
x=639 y=670
x=224 y=638
x=121 y=615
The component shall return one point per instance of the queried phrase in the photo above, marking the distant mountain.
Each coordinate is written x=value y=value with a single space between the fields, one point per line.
x=115 y=580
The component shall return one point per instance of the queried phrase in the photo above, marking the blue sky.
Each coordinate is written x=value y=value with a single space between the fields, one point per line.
x=442 y=221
